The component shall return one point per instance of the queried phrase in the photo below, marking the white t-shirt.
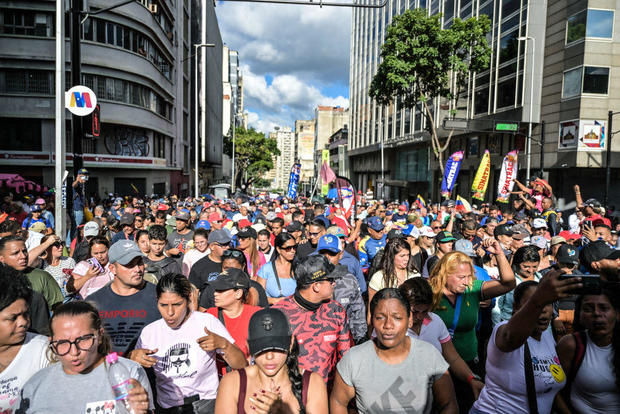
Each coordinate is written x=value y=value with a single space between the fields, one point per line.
x=505 y=389
x=29 y=360
x=183 y=369
x=376 y=281
x=191 y=257
x=33 y=240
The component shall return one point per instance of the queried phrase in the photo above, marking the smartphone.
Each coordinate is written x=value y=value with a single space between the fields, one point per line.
x=94 y=262
x=591 y=284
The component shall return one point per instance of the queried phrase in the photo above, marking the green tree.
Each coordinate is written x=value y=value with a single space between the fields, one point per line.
x=422 y=61
x=253 y=155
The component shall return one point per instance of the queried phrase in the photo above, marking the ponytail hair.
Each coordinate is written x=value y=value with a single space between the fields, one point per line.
x=294 y=376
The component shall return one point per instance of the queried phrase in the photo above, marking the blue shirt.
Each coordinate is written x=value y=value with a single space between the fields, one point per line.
x=288 y=285
x=355 y=269
x=368 y=249
x=29 y=221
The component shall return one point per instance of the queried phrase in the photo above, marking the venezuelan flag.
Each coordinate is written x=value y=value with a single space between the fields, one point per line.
x=462 y=205
x=420 y=201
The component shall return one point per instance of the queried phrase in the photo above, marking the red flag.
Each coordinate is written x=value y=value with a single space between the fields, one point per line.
x=327 y=174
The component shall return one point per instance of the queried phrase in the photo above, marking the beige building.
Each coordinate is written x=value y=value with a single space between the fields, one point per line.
x=328 y=119
x=286 y=144
x=304 y=148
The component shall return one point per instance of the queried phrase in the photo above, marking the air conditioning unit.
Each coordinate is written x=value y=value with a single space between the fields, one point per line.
x=153 y=8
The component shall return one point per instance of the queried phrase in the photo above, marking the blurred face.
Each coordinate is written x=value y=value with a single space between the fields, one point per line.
x=538 y=231
x=56 y=249
x=226 y=298
x=131 y=275
x=391 y=322
x=216 y=224
x=270 y=362
x=598 y=315
x=516 y=244
x=375 y=234
x=15 y=255
x=528 y=269
x=14 y=322
x=81 y=356
x=506 y=241
x=545 y=316
x=231 y=264
x=139 y=222
x=436 y=226
x=245 y=242
x=555 y=248
x=401 y=259
x=263 y=242
x=181 y=225
x=218 y=248
x=276 y=228
x=325 y=289
x=603 y=233
x=418 y=313
x=445 y=247
x=143 y=243
x=546 y=203
x=201 y=244
x=489 y=228
x=174 y=309
x=426 y=242
x=469 y=233
x=157 y=246
x=458 y=281
x=288 y=250
x=160 y=221
x=314 y=234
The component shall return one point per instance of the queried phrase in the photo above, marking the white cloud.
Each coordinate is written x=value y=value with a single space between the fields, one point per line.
x=304 y=50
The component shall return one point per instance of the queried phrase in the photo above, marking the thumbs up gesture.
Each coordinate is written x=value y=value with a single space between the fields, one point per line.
x=211 y=341
x=142 y=357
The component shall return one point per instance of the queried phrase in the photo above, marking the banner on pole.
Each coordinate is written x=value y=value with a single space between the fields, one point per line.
x=325 y=161
x=510 y=167
x=346 y=197
x=481 y=180
x=293 y=181
x=451 y=172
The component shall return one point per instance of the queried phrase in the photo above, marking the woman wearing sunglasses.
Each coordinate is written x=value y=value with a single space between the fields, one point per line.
x=247 y=244
x=78 y=381
x=56 y=264
x=22 y=353
x=276 y=277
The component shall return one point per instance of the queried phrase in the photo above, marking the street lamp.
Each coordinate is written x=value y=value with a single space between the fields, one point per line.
x=196 y=133
x=529 y=128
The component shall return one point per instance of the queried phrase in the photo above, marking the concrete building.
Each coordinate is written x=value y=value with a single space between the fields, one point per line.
x=562 y=75
x=232 y=110
x=338 y=156
x=304 y=150
x=131 y=60
x=328 y=120
x=285 y=138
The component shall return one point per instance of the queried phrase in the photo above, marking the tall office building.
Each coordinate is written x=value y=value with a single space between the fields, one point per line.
x=551 y=64
x=304 y=150
x=131 y=59
x=232 y=110
x=286 y=144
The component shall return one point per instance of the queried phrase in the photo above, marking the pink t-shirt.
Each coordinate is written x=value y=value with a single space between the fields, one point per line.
x=183 y=369
x=95 y=283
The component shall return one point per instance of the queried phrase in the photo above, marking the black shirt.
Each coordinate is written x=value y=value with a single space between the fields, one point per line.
x=304 y=250
x=204 y=271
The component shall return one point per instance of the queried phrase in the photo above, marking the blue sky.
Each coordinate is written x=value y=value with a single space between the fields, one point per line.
x=293 y=58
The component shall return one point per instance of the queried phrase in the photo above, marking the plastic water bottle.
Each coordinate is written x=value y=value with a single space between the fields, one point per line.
x=119 y=380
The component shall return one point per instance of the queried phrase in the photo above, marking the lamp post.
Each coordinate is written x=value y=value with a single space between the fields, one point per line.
x=196 y=132
x=232 y=174
x=529 y=128
x=610 y=134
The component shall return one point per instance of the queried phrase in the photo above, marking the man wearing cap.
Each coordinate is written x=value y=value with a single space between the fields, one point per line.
x=46 y=214
x=127 y=230
x=503 y=233
x=600 y=229
x=372 y=243
x=79 y=195
x=36 y=217
x=178 y=239
x=443 y=242
x=554 y=245
x=489 y=227
x=348 y=259
x=216 y=220
x=317 y=321
x=598 y=258
x=128 y=303
x=206 y=269
x=539 y=227
x=347 y=291
x=81 y=251
x=567 y=259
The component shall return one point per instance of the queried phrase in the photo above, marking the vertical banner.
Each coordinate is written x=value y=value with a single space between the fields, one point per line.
x=346 y=197
x=481 y=180
x=324 y=159
x=293 y=181
x=510 y=167
x=451 y=172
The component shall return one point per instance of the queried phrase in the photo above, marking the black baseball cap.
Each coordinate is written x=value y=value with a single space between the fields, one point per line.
x=231 y=279
x=445 y=237
x=127 y=219
x=503 y=230
x=394 y=233
x=313 y=269
x=268 y=330
x=595 y=251
x=247 y=232
x=294 y=226
x=567 y=254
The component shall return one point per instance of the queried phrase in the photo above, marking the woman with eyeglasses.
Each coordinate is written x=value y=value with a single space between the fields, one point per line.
x=185 y=344
x=276 y=277
x=200 y=250
x=78 y=381
x=22 y=353
x=247 y=244
x=56 y=264
x=93 y=273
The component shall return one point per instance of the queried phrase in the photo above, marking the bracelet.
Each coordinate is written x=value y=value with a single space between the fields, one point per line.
x=472 y=377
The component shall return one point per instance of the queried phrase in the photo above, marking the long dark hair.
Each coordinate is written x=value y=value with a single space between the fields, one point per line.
x=294 y=376
x=279 y=242
x=614 y=299
x=524 y=254
x=392 y=248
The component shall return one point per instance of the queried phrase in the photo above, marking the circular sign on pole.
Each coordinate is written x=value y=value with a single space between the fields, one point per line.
x=80 y=100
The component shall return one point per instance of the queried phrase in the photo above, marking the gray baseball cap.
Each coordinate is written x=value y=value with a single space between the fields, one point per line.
x=124 y=251
x=222 y=236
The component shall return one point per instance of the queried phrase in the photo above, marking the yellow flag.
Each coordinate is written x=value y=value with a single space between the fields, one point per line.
x=481 y=181
x=324 y=158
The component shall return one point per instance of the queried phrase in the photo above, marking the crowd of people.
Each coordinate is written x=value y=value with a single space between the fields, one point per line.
x=265 y=305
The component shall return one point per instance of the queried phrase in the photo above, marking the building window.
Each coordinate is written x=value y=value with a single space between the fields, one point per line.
x=588 y=79
x=591 y=24
x=20 y=134
x=36 y=82
x=481 y=101
x=506 y=93
x=159 y=145
x=26 y=22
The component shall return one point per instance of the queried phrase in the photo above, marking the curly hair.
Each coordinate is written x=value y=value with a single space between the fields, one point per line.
x=15 y=286
x=392 y=248
x=294 y=376
x=446 y=266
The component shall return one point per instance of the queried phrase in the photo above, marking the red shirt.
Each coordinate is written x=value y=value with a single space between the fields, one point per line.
x=323 y=335
x=238 y=327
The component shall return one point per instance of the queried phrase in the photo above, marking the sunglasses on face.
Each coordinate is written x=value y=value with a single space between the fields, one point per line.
x=63 y=346
x=222 y=244
x=232 y=253
x=313 y=234
x=436 y=228
x=289 y=248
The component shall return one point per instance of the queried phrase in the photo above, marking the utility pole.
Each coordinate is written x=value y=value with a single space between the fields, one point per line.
x=59 y=127
x=542 y=148
x=610 y=134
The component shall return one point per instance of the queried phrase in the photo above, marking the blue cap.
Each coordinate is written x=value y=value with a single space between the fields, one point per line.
x=203 y=224
x=82 y=171
x=375 y=223
x=330 y=243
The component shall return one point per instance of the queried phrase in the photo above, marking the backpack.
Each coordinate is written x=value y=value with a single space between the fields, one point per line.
x=157 y=270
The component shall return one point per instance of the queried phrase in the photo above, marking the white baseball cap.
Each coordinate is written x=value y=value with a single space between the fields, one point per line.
x=427 y=231
x=91 y=229
x=539 y=223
